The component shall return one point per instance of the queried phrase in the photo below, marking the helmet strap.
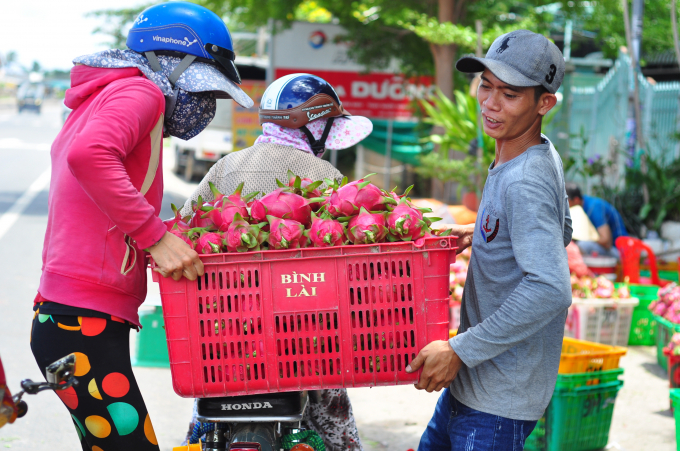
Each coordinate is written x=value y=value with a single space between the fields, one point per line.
x=318 y=146
x=181 y=67
x=153 y=61
x=177 y=72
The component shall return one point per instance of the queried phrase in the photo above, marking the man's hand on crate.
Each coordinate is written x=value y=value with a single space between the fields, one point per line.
x=440 y=366
x=174 y=258
x=464 y=234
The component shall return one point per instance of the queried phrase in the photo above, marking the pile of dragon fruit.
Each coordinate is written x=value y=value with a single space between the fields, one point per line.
x=597 y=288
x=299 y=214
x=668 y=304
x=674 y=345
x=458 y=275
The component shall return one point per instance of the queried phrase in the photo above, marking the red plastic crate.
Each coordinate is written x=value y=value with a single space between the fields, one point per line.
x=305 y=319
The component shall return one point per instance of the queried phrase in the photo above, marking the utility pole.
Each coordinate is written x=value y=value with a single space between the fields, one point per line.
x=636 y=91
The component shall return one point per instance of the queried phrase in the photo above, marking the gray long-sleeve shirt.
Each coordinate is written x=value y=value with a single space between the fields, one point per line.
x=517 y=290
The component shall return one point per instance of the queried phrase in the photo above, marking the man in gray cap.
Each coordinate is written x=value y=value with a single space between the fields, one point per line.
x=500 y=369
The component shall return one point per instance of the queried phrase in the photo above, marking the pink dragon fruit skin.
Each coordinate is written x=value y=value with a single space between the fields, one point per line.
x=304 y=184
x=209 y=243
x=286 y=234
x=406 y=223
x=326 y=232
x=352 y=197
x=284 y=205
x=197 y=221
x=183 y=234
x=178 y=220
x=244 y=237
x=367 y=228
x=226 y=207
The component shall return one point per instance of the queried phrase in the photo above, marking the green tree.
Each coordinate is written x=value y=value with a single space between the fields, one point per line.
x=606 y=17
x=116 y=23
x=426 y=36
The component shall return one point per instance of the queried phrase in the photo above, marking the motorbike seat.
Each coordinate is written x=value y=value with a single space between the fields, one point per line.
x=286 y=406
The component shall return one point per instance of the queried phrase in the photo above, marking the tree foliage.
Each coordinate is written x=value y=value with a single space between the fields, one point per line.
x=116 y=23
x=606 y=18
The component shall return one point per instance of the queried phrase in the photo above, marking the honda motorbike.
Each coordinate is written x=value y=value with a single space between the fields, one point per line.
x=265 y=422
x=59 y=375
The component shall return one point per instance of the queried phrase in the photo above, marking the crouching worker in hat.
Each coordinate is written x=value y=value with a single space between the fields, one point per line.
x=499 y=372
x=301 y=117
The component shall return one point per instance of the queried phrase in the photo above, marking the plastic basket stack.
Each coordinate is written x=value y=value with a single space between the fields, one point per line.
x=643 y=325
x=579 y=415
x=675 y=403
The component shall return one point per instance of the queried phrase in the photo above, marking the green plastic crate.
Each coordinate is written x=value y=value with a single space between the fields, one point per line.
x=536 y=441
x=643 y=326
x=663 y=275
x=643 y=292
x=664 y=331
x=580 y=419
x=576 y=380
x=675 y=402
x=565 y=383
x=151 y=349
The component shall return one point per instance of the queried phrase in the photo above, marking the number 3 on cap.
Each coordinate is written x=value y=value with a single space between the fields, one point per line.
x=551 y=76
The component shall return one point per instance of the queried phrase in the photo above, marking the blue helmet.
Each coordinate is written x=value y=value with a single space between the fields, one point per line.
x=295 y=100
x=184 y=29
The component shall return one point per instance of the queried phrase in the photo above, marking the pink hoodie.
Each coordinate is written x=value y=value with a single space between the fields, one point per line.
x=99 y=162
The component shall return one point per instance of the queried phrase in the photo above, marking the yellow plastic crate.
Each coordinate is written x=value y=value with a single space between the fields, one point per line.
x=580 y=356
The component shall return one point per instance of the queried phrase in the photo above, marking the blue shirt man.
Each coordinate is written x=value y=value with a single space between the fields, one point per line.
x=605 y=218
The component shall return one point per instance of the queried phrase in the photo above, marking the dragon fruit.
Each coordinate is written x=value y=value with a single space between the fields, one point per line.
x=304 y=187
x=352 y=197
x=326 y=231
x=183 y=234
x=178 y=220
x=197 y=220
x=286 y=234
x=284 y=205
x=226 y=207
x=367 y=228
x=209 y=243
x=243 y=237
x=406 y=223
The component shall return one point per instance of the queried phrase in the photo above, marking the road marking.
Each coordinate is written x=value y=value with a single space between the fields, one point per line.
x=8 y=218
x=17 y=144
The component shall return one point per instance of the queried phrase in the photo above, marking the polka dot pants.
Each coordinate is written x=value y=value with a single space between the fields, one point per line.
x=106 y=407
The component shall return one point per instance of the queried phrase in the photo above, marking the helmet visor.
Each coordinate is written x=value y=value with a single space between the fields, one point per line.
x=225 y=60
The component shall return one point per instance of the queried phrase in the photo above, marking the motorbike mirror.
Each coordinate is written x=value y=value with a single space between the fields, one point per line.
x=62 y=370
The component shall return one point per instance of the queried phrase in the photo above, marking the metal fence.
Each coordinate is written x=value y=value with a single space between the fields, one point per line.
x=598 y=114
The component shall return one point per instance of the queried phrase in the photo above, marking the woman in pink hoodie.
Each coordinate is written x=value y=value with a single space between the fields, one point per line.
x=105 y=197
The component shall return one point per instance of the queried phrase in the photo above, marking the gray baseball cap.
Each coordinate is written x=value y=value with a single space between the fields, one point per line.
x=520 y=58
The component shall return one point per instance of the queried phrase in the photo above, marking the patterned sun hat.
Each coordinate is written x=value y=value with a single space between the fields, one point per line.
x=345 y=132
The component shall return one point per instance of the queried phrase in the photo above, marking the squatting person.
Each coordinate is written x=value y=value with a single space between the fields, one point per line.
x=301 y=117
x=500 y=370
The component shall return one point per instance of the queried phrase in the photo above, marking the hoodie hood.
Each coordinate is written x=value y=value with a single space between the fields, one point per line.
x=86 y=81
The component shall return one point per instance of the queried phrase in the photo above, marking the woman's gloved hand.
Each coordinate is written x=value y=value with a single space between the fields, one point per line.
x=174 y=258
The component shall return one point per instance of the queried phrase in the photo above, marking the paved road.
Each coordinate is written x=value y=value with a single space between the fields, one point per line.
x=389 y=418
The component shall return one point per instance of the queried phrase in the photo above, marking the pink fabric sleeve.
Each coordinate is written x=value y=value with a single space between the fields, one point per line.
x=127 y=115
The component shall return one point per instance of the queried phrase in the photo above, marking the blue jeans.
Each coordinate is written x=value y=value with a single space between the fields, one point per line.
x=456 y=427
